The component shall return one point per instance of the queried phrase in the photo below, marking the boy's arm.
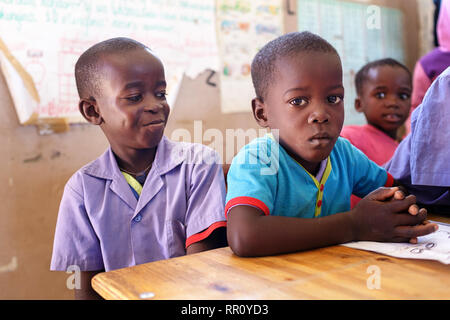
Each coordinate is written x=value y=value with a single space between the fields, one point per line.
x=205 y=220
x=86 y=292
x=217 y=239
x=251 y=233
x=76 y=243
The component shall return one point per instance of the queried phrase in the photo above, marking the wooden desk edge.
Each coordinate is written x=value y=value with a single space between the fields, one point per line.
x=109 y=292
x=106 y=292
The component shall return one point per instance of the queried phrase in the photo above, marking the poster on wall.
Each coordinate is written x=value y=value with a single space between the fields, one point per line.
x=47 y=37
x=243 y=27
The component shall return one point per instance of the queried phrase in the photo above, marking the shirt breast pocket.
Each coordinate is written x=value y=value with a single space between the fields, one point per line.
x=176 y=238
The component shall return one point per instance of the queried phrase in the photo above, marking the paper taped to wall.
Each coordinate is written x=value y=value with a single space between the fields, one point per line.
x=21 y=86
x=435 y=246
x=10 y=267
x=243 y=27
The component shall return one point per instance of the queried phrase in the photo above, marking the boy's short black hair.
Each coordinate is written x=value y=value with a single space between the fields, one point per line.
x=361 y=75
x=263 y=65
x=88 y=73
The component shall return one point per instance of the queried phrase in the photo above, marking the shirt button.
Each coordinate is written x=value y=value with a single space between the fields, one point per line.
x=321 y=187
x=138 y=218
x=319 y=203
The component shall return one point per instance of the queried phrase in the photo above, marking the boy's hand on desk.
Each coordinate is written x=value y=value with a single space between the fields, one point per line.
x=413 y=209
x=383 y=216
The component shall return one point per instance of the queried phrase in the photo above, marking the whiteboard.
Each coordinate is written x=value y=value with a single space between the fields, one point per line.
x=48 y=36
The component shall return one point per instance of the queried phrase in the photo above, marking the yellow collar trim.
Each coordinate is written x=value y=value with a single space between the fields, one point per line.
x=325 y=175
x=133 y=182
x=320 y=186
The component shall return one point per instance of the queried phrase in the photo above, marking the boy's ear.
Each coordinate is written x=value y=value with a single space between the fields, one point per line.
x=358 y=105
x=90 y=111
x=259 y=112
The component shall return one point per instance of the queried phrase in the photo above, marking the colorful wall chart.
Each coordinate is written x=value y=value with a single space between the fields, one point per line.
x=243 y=27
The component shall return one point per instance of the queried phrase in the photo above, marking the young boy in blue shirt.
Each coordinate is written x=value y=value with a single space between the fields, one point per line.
x=290 y=190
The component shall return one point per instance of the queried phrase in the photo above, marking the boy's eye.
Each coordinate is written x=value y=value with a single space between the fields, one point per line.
x=404 y=96
x=380 y=95
x=161 y=95
x=334 y=99
x=134 y=98
x=298 y=102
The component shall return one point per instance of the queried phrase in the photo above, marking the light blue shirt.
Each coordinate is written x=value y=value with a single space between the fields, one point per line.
x=263 y=175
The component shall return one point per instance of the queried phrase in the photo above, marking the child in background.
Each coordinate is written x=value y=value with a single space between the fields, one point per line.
x=422 y=160
x=383 y=90
x=293 y=193
x=142 y=200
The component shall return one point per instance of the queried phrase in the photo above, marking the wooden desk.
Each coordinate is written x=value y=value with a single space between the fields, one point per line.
x=335 y=272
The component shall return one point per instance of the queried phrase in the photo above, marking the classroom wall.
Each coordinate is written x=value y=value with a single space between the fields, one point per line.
x=35 y=169
x=33 y=173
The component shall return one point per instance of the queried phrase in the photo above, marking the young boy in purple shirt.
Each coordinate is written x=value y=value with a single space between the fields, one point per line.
x=146 y=198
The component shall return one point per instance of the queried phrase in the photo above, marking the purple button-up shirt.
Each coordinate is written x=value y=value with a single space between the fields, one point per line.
x=101 y=224
x=422 y=160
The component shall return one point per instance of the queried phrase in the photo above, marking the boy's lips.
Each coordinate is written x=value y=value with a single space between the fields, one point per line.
x=392 y=117
x=320 y=135
x=320 y=139
x=154 y=122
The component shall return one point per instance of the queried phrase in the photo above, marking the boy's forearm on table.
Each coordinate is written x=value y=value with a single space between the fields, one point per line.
x=253 y=234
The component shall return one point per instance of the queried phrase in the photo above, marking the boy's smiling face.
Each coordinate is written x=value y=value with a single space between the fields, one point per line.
x=305 y=103
x=132 y=101
x=385 y=98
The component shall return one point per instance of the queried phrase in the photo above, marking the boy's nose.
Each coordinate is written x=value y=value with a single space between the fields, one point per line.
x=393 y=102
x=319 y=115
x=154 y=107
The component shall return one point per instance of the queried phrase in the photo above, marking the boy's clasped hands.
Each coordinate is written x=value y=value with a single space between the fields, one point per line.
x=388 y=214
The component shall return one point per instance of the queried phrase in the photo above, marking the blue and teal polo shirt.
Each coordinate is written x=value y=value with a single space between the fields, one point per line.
x=265 y=176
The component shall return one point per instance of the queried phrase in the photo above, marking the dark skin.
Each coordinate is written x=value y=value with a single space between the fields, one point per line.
x=132 y=111
x=385 y=99
x=305 y=103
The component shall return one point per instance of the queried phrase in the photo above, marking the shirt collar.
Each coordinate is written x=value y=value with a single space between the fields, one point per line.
x=168 y=156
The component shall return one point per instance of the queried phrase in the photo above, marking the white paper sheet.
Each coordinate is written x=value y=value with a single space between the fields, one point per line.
x=435 y=246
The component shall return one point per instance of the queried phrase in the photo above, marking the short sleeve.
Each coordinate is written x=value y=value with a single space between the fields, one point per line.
x=75 y=241
x=367 y=175
x=399 y=164
x=252 y=178
x=206 y=199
